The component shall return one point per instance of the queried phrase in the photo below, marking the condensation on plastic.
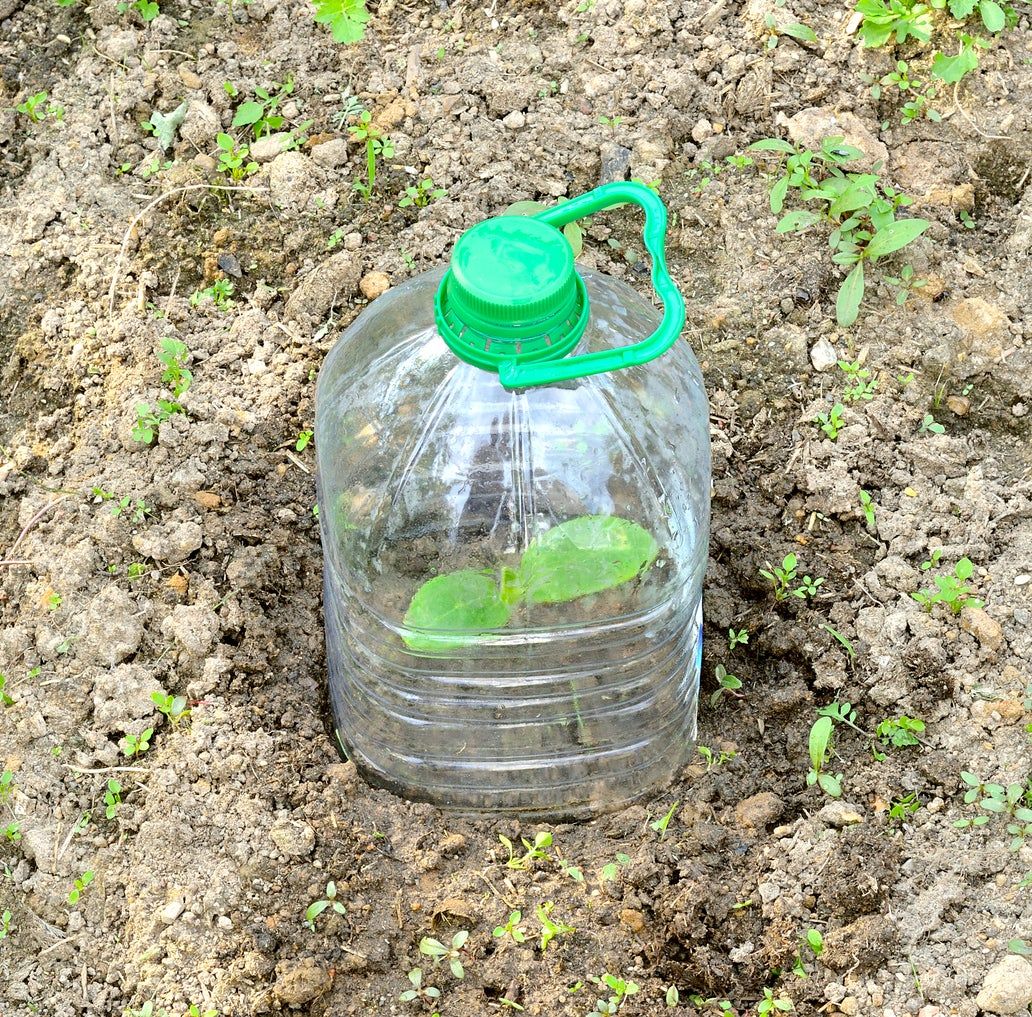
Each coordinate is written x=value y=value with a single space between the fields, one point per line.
x=428 y=466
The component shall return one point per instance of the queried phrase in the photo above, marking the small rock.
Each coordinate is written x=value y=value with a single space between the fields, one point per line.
x=332 y=154
x=615 y=162
x=291 y=180
x=1007 y=987
x=373 y=285
x=759 y=810
x=985 y=629
x=849 y=1006
x=229 y=264
x=119 y=44
x=266 y=149
x=840 y=814
x=959 y=198
x=171 y=911
x=172 y=543
x=300 y=983
x=978 y=318
x=959 y=405
x=293 y=837
x=200 y=125
x=633 y=920
x=189 y=77
x=204 y=162
x=823 y=355
x=702 y=130
x=514 y=120
x=333 y=281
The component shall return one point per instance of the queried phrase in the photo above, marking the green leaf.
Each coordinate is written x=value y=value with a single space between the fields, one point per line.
x=952 y=68
x=777 y=195
x=524 y=208
x=802 y=32
x=574 y=237
x=992 y=16
x=820 y=735
x=964 y=569
x=166 y=124
x=346 y=18
x=248 y=113
x=961 y=9
x=797 y=221
x=582 y=556
x=847 y=304
x=458 y=605
x=771 y=145
x=895 y=236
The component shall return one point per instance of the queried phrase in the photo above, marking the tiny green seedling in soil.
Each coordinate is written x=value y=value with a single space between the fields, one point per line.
x=317 y=907
x=950 y=589
x=261 y=113
x=771 y=1004
x=112 y=798
x=302 y=441
x=173 y=707
x=234 y=162
x=452 y=953
x=859 y=207
x=713 y=760
x=6 y=786
x=867 y=507
x=904 y=806
x=815 y=942
x=79 y=887
x=660 y=825
x=620 y=989
x=536 y=851
x=37 y=108
x=422 y=194
x=11 y=832
x=136 y=745
x=821 y=735
x=346 y=19
x=929 y=425
x=5 y=925
x=901 y=732
x=196 y=1011
x=611 y=122
x=831 y=422
x=147 y=9
x=737 y=638
x=511 y=928
x=1013 y=801
x=860 y=384
x=220 y=293
x=773 y=31
x=726 y=683
x=905 y=283
x=550 y=929
x=611 y=869
x=427 y=993
x=376 y=147
x=5 y=699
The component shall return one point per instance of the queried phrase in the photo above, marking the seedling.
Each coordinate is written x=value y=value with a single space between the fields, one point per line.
x=672 y=996
x=6 y=786
x=867 y=506
x=79 y=887
x=54 y=600
x=346 y=18
x=611 y=869
x=5 y=925
x=821 y=735
x=799 y=32
x=550 y=929
x=1013 y=801
x=901 y=732
x=37 y=108
x=452 y=953
x=421 y=194
x=711 y=760
x=173 y=707
x=112 y=798
x=376 y=146
x=611 y=122
x=620 y=989
x=317 y=907
x=950 y=589
x=147 y=9
x=728 y=683
x=739 y=638
x=781 y=576
x=577 y=558
x=815 y=941
x=220 y=292
x=860 y=208
x=260 y=114
x=195 y=1011
x=660 y=825
x=511 y=928
x=302 y=441
x=136 y=745
x=11 y=832
x=861 y=385
x=929 y=426
x=172 y=354
x=831 y=422
x=418 y=991
x=904 y=806
x=136 y=510
x=536 y=851
x=771 y=1004
x=5 y=699
x=233 y=158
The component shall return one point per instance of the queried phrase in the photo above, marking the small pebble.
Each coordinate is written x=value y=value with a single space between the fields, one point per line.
x=374 y=284
x=171 y=911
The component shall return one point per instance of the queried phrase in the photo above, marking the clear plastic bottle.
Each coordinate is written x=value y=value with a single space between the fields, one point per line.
x=513 y=575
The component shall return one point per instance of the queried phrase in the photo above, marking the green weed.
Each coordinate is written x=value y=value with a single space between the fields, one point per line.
x=619 y=988
x=112 y=798
x=452 y=952
x=781 y=577
x=771 y=1004
x=904 y=806
x=79 y=887
x=5 y=925
x=136 y=745
x=511 y=928
x=726 y=683
x=262 y=114
x=867 y=507
x=346 y=19
x=711 y=760
x=422 y=194
x=426 y=993
x=860 y=385
x=951 y=589
x=821 y=736
x=660 y=825
x=220 y=292
x=831 y=422
x=610 y=871
x=173 y=707
x=37 y=108
x=234 y=158
x=376 y=147
x=147 y=9
x=551 y=929
x=317 y=907
x=900 y=732
x=737 y=638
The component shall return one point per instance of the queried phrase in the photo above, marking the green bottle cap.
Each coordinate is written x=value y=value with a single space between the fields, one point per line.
x=511 y=293
x=512 y=302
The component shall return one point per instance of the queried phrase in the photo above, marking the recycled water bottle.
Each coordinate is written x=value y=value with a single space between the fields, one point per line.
x=514 y=482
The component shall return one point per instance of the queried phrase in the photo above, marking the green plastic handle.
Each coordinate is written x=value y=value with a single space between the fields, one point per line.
x=547 y=372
